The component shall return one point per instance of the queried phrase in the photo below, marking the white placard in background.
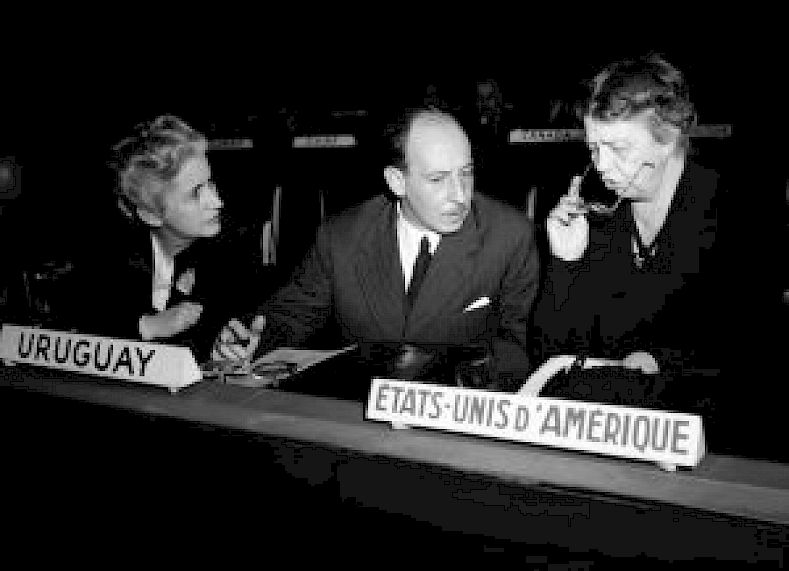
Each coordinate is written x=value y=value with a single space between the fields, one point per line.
x=323 y=141
x=550 y=135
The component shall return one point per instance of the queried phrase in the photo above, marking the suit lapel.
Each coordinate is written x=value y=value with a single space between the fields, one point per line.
x=380 y=275
x=449 y=275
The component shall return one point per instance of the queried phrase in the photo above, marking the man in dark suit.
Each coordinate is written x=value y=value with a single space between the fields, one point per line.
x=432 y=265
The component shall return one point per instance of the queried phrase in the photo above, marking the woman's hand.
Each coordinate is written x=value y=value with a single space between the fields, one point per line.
x=643 y=361
x=171 y=321
x=567 y=226
x=637 y=361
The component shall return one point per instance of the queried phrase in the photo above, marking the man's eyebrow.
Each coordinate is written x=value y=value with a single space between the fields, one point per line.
x=437 y=172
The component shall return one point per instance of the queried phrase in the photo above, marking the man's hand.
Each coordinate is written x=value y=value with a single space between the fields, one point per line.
x=237 y=342
x=567 y=226
x=171 y=321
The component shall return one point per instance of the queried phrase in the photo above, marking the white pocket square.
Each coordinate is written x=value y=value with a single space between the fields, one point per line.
x=481 y=302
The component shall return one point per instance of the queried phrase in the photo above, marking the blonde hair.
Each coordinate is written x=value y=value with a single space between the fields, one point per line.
x=146 y=162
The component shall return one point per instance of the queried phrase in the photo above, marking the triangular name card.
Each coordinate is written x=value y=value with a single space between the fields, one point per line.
x=167 y=366
x=669 y=439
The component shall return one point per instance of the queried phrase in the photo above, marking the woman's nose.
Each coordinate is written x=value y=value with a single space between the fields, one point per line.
x=213 y=200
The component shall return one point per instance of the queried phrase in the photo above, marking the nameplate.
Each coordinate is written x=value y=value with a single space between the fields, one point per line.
x=149 y=363
x=545 y=135
x=323 y=141
x=230 y=144
x=667 y=438
x=712 y=131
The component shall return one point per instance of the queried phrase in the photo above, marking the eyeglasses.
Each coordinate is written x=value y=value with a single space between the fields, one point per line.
x=602 y=209
x=596 y=207
x=274 y=371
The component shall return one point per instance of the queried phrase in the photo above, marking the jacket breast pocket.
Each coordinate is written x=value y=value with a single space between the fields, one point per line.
x=472 y=325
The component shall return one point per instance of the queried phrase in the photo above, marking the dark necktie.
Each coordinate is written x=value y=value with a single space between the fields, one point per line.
x=420 y=270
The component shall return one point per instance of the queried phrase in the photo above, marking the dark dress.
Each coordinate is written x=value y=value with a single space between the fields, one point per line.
x=670 y=301
x=612 y=301
x=113 y=287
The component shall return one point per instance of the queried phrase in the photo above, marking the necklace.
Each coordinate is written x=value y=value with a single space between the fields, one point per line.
x=642 y=253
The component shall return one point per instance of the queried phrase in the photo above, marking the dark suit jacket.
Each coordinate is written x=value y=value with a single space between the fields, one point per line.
x=113 y=287
x=352 y=279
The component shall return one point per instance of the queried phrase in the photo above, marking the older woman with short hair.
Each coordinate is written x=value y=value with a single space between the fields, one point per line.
x=168 y=277
x=634 y=280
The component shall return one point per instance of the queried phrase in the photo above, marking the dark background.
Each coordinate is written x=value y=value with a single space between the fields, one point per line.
x=62 y=111
x=66 y=98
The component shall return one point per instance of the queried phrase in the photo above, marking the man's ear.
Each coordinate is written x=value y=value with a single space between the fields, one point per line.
x=150 y=217
x=395 y=180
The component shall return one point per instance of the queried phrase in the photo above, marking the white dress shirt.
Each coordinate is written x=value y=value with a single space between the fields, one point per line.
x=163 y=270
x=408 y=239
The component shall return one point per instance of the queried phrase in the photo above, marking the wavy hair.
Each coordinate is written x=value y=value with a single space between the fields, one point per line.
x=146 y=162
x=629 y=88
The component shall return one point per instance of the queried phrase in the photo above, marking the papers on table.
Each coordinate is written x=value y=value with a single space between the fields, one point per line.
x=273 y=367
x=295 y=360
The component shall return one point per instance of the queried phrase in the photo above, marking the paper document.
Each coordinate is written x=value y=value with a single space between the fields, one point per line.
x=270 y=369
x=294 y=360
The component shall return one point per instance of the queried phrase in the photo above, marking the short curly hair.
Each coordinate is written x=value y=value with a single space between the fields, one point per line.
x=146 y=162
x=628 y=88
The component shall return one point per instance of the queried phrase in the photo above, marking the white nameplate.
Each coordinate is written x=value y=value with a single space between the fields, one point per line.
x=545 y=135
x=222 y=144
x=716 y=131
x=323 y=141
x=149 y=363
x=668 y=438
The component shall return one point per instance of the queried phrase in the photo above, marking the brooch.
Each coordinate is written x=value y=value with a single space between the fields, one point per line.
x=186 y=281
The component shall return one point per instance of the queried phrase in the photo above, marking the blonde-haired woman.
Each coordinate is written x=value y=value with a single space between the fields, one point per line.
x=165 y=276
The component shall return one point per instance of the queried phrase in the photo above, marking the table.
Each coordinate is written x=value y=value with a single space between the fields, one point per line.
x=507 y=496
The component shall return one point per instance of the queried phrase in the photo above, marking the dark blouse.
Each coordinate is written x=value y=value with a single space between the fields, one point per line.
x=114 y=289
x=620 y=297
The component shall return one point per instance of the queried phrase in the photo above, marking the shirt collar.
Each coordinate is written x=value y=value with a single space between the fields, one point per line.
x=163 y=263
x=413 y=234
